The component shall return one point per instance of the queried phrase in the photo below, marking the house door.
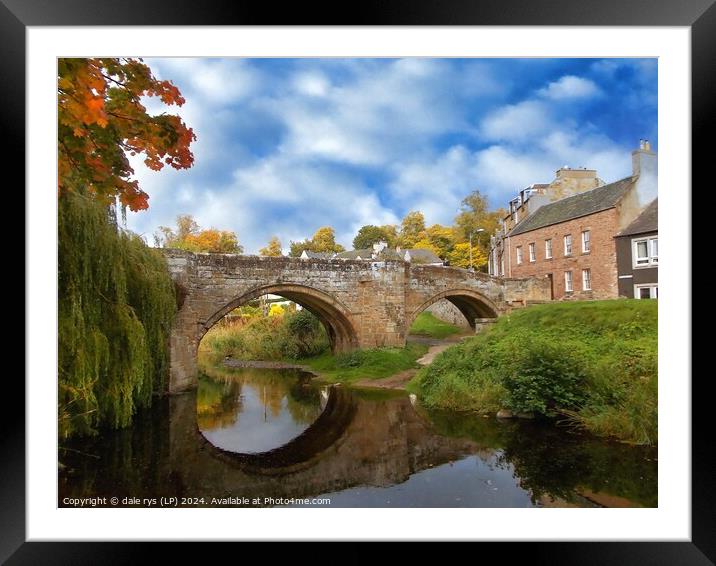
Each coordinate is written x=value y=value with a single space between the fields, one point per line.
x=551 y=286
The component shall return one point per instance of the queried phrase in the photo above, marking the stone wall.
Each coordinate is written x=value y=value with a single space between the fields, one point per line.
x=447 y=312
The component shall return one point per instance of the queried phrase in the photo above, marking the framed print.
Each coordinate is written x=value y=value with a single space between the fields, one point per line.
x=258 y=283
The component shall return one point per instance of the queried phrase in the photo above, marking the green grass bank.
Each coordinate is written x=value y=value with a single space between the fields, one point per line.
x=593 y=363
x=427 y=324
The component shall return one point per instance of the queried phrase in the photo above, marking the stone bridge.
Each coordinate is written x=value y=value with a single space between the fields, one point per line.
x=362 y=304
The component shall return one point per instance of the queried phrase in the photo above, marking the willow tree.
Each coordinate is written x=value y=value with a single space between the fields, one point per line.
x=115 y=297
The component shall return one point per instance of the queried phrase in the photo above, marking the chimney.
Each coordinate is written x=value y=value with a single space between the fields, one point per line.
x=645 y=169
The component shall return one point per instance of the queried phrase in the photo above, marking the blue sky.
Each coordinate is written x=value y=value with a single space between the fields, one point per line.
x=286 y=146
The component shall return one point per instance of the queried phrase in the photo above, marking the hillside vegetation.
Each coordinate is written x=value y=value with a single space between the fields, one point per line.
x=593 y=363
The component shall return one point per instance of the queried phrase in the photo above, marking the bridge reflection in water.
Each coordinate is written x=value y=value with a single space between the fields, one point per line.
x=353 y=442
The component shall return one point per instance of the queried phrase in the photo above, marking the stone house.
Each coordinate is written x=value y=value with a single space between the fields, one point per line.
x=572 y=240
x=638 y=255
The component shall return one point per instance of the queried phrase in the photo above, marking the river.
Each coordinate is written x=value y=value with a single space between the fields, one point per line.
x=266 y=437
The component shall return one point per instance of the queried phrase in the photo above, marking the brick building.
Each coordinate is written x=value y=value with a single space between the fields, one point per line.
x=638 y=255
x=571 y=240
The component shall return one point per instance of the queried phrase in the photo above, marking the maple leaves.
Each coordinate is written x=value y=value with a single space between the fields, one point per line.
x=101 y=119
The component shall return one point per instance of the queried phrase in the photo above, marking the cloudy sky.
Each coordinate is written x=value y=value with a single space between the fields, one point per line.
x=286 y=146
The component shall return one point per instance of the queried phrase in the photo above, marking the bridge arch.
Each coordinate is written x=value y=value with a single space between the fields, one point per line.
x=469 y=302
x=331 y=312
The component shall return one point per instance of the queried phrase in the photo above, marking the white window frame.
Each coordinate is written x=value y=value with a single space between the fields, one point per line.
x=568 y=282
x=586 y=279
x=653 y=290
x=518 y=254
x=548 y=248
x=568 y=238
x=532 y=252
x=651 y=259
x=586 y=242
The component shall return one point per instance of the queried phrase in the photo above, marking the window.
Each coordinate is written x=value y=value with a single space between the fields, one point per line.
x=568 y=281
x=548 y=249
x=645 y=252
x=502 y=267
x=519 y=255
x=586 y=279
x=586 y=243
x=532 y=252
x=646 y=291
x=568 y=244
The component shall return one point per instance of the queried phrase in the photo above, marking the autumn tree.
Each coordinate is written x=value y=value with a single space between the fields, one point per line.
x=474 y=214
x=189 y=236
x=460 y=256
x=412 y=229
x=323 y=240
x=273 y=249
x=370 y=234
x=101 y=119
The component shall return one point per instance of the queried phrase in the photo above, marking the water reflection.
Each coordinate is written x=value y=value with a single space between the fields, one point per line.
x=359 y=448
x=253 y=410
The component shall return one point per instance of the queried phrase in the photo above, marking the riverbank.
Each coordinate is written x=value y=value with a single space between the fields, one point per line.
x=593 y=364
x=360 y=368
x=297 y=340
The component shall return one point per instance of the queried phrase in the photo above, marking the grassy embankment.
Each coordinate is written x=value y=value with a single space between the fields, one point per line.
x=299 y=337
x=593 y=362
x=427 y=324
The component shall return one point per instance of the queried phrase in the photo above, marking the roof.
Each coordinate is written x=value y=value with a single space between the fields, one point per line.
x=582 y=204
x=647 y=221
x=354 y=254
x=419 y=255
x=318 y=255
x=423 y=256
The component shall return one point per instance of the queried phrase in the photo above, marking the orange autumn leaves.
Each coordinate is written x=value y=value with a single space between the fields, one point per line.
x=101 y=120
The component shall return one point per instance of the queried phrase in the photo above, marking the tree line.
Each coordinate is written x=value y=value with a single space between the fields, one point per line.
x=450 y=243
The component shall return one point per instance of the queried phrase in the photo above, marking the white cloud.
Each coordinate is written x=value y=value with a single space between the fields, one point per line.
x=517 y=122
x=216 y=81
x=568 y=87
x=311 y=83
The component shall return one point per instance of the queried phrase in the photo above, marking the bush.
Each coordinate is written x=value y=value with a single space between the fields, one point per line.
x=289 y=336
x=547 y=378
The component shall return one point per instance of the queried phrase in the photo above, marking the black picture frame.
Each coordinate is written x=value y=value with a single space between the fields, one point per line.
x=699 y=15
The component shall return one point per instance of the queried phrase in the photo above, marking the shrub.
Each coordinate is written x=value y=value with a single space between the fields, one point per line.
x=547 y=378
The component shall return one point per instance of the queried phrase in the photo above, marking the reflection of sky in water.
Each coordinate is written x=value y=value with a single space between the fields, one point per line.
x=471 y=482
x=258 y=428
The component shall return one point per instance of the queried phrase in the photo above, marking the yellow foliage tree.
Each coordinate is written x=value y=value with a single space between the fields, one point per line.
x=273 y=249
x=276 y=310
x=460 y=256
